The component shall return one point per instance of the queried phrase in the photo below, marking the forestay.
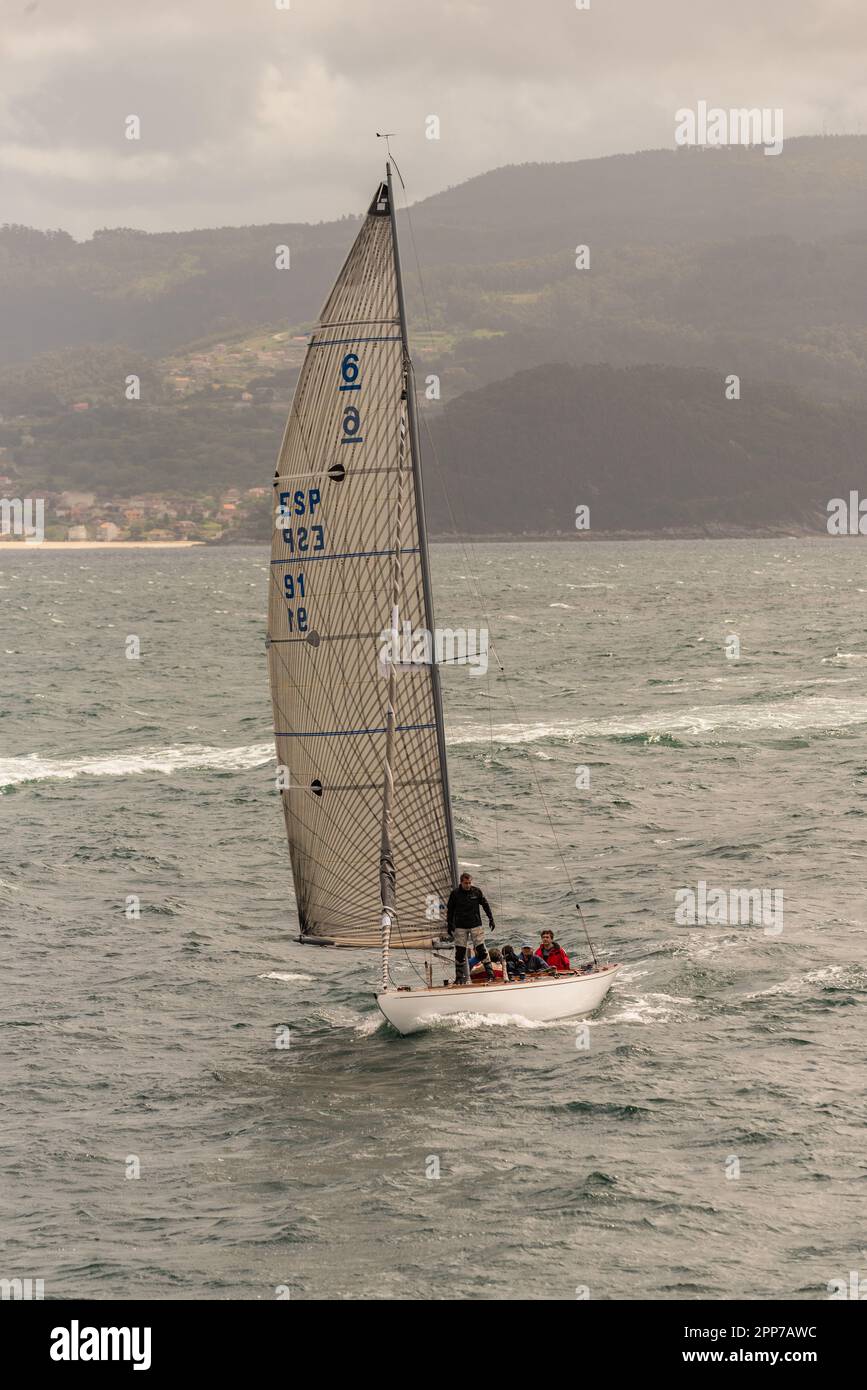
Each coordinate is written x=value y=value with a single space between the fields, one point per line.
x=349 y=521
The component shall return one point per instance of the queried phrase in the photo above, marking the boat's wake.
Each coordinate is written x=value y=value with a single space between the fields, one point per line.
x=469 y=1022
x=851 y=978
x=650 y=1008
x=361 y=1024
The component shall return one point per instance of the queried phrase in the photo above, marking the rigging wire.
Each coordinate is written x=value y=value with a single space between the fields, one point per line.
x=496 y=817
x=472 y=564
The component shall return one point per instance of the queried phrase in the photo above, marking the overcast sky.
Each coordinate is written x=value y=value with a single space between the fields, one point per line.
x=253 y=113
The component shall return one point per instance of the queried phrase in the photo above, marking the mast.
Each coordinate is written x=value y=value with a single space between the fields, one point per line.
x=387 y=875
x=415 y=458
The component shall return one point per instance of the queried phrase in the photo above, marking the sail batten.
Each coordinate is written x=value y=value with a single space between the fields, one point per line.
x=363 y=746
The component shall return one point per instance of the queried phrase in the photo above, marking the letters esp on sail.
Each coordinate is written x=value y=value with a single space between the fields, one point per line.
x=349 y=523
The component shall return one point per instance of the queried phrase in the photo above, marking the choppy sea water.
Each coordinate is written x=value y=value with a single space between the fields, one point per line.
x=722 y=1049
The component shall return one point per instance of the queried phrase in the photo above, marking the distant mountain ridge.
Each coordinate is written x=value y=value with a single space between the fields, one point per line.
x=558 y=385
x=518 y=226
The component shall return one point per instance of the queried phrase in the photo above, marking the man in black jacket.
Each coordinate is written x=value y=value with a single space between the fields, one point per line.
x=464 y=921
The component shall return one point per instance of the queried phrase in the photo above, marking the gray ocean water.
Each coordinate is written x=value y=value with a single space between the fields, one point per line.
x=722 y=1049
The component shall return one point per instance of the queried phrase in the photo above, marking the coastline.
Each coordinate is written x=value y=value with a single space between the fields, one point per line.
x=792 y=533
x=18 y=546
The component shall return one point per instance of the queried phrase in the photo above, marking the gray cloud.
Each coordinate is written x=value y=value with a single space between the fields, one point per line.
x=251 y=113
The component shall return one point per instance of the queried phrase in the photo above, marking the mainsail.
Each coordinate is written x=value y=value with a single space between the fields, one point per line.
x=349 y=565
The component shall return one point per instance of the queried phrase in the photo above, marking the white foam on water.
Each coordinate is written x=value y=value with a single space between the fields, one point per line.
x=362 y=1024
x=845 y=659
x=823 y=713
x=701 y=948
x=468 y=1022
x=283 y=976
x=164 y=761
x=512 y=733
x=651 y=1008
x=844 y=975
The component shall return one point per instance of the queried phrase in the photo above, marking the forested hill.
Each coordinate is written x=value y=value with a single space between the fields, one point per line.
x=645 y=449
x=720 y=257
x=815 y=188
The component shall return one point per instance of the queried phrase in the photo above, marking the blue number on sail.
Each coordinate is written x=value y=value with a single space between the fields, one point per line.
x=304 y=539
x=294 y=584
x=349 y=372
x=351 y=426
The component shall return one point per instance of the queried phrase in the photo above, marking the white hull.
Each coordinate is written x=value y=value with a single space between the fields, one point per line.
x=540 y=1000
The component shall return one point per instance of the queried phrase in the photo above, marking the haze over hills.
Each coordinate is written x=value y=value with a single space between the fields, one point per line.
x=722 y=242
x=721 y=259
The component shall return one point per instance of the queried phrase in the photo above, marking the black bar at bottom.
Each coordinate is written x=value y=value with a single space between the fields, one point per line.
x=163 y=1339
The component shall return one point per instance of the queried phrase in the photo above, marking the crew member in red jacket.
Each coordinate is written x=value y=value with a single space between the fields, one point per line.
x=552 y=952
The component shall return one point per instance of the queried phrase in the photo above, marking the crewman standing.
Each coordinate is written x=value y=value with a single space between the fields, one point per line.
x=464 y=922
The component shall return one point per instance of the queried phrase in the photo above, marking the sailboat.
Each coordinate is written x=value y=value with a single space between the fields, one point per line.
x=360 y=736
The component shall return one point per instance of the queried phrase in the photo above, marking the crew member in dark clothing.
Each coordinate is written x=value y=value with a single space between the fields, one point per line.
x=464 y=921
x=528 y=964
x=511 y=962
